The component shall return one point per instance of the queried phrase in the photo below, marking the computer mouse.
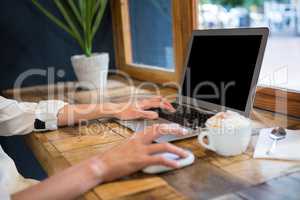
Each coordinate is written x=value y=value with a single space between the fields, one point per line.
x=156 y=169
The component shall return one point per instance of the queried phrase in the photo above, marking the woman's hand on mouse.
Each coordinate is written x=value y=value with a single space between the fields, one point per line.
x=139 y=152
x=136 y=153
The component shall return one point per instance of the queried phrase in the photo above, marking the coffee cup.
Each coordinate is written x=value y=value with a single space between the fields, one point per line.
x=228 y=134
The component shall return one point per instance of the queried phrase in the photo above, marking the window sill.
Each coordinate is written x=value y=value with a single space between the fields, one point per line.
x=278 y=100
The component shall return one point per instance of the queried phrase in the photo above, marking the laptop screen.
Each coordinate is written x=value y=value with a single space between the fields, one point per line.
x=220 y=69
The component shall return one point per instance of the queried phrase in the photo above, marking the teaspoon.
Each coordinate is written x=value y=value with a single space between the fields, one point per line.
x=276 y=134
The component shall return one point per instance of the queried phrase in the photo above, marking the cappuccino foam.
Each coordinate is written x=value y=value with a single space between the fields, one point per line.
x=227 y=119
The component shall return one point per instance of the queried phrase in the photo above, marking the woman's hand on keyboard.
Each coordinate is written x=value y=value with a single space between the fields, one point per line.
x=140 y=109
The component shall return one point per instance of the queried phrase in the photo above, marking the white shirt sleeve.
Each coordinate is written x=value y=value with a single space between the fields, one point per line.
x=4 y=195
x=18 y=118
x=10 y=179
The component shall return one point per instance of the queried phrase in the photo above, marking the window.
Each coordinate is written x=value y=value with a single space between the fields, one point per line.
x=151 y=37
x=280 y=68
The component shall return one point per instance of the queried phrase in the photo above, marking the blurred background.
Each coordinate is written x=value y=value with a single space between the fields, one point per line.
x=280 y=16
x=282 y=59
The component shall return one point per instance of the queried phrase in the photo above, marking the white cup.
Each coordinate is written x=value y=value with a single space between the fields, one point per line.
x=227 y=141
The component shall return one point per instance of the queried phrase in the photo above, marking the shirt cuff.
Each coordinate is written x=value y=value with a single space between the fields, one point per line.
x=46 y=115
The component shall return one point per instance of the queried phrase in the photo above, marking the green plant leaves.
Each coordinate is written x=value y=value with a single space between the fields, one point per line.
x=75 y=11
x=99 y=16
x=69 y=21
x=52 y=17
x=81 y=19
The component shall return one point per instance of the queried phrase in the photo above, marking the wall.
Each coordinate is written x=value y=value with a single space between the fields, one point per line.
x=29 y=40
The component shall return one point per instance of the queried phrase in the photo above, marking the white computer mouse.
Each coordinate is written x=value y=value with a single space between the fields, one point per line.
x=156 y=169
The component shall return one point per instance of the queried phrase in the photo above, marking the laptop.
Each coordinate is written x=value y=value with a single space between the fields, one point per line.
x=221 y=73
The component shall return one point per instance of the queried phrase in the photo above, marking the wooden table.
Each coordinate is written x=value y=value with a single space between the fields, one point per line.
x=211 y=176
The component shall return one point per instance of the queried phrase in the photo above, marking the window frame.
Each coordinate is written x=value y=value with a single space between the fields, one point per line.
x=184 y=18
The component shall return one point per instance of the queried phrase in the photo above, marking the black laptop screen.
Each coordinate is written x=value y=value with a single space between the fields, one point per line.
x=220 y=69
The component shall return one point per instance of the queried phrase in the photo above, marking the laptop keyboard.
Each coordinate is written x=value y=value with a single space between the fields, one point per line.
x=185 y=116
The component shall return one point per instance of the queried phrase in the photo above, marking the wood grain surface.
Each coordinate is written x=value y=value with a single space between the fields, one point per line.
x=211 y=176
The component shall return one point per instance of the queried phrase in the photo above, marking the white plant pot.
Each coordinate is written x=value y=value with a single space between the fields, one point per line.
x=91 y=71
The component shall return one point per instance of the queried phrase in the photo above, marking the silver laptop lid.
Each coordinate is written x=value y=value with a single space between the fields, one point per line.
x=222 y=68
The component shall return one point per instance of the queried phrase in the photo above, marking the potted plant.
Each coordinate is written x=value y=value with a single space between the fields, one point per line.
x=81 y=19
